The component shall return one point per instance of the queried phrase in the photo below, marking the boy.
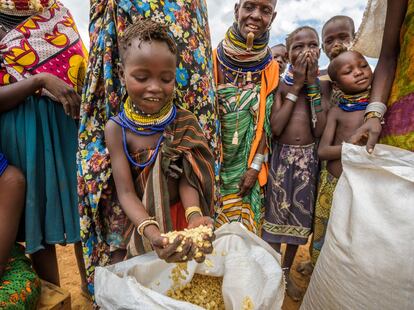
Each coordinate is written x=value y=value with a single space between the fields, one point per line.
x=280 y=54
x=298 y=119
x=352 y=75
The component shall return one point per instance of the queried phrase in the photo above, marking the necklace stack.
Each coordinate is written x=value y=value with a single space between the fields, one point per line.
x=144 y=125
x=351 y=103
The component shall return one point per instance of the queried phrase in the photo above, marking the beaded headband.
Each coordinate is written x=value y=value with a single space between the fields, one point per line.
x=24 y=7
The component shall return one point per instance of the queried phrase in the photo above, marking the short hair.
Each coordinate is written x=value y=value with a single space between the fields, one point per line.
x=277 y=45
x=145 y=30
x=336 y=52
x=290 y=36
x=344 y=18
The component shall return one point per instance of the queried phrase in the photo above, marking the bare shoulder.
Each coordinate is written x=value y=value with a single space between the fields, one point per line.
x=325 y=87
x=112 y=128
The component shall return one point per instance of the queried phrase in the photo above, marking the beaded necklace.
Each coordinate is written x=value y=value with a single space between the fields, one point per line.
x=144 y=125
x=351 y=103
x=240 y=58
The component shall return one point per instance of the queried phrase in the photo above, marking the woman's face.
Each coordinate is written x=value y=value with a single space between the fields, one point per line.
x=148 y=73
x=254 y=16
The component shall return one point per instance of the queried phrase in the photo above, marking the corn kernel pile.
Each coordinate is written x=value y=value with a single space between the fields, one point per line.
x=203 y=291
x=196 y=234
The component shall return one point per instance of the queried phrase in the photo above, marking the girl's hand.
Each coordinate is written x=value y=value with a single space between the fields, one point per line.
x=65 y=94
x=196 y=220
x=299 y=70
x=312 y=65
x=168 y=252
x=247 y=181
x=368 y=134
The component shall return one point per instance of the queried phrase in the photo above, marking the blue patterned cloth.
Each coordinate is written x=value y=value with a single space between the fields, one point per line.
x=3 y=163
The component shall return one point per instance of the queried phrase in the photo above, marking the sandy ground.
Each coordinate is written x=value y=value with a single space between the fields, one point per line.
x=70 y=280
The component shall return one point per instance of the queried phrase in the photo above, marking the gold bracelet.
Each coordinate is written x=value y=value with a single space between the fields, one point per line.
x=189 y=211
x=374 y=114
x=147 y=222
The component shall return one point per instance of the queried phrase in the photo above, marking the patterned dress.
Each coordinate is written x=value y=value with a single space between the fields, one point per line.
x=399 y=119
x=239 y=112
x=19 y=286
x=188 y=25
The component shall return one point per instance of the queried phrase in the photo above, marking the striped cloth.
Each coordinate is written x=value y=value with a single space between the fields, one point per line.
x=239 y=111
x=3 y=163
x=184 y=152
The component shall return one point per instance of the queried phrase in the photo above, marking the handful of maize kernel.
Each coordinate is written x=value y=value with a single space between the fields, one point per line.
x=203 y=291
x=195 y=234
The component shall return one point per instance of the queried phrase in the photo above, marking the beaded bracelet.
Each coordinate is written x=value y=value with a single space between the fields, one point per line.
x=147 y=222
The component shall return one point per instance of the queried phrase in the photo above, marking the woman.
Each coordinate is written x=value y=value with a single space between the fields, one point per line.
x=101 y=219
x=42 y=65
x=19 y=284
x=246 y=75
x=395 y=61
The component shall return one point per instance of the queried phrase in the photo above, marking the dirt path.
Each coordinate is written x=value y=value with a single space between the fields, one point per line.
x=70 y=280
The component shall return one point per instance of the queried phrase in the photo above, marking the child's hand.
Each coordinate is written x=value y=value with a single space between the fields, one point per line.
x=312 y=67
x=195 y=221
x=169 y=253
x=247 y=181
x=299 y=70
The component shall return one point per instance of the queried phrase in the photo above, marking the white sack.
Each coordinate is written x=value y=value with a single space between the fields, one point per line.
x=367 y=261
x=249 y=266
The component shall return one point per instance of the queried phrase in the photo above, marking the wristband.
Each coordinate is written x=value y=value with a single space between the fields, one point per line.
x=189 y=211
x=374 y=114
x=376 y=106
x=256 y=166
x=147 y=222
x=291 y=97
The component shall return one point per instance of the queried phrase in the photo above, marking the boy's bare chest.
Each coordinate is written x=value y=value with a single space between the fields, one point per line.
x=347 y=124
x=137 y=143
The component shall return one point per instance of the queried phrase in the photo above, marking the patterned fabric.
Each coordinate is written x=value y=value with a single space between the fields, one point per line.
x=19 y=286
x=290 y=194
x=326 y=188
x=3 y=163
x=46 y=42
x=399 y=119
x=188 y=25
x=24 y=7
x=238 y=115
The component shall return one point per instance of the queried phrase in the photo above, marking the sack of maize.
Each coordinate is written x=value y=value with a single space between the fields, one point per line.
x=242 y=273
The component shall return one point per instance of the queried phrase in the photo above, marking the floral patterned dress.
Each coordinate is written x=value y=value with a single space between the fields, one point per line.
x=103 y=93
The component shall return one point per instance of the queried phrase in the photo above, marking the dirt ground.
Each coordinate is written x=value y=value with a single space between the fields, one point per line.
x=70 y=280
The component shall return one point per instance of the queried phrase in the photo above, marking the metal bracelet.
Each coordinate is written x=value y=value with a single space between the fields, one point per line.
x=376 y=106
x=255 y=166
x=291 y=97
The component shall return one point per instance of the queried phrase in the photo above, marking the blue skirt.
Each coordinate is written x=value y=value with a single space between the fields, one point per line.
x=41 y=140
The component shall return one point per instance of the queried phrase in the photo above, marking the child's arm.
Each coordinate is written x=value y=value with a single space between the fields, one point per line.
x=327 y=150
x=129 y=200
x=312 y=76
x=322 y=112
x=14 y=94
x=283 y=107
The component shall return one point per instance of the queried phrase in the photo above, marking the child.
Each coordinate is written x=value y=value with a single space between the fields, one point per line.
x=162 y=165
x=352 y=75
x=298 y=118
x=337 y=32
x=280 y=54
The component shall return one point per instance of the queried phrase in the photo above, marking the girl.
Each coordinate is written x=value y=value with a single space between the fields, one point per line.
x=162 y=165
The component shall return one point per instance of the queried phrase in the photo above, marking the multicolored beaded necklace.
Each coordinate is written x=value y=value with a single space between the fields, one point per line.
x=144 y=125
x=239 y=58
x=351 y=103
